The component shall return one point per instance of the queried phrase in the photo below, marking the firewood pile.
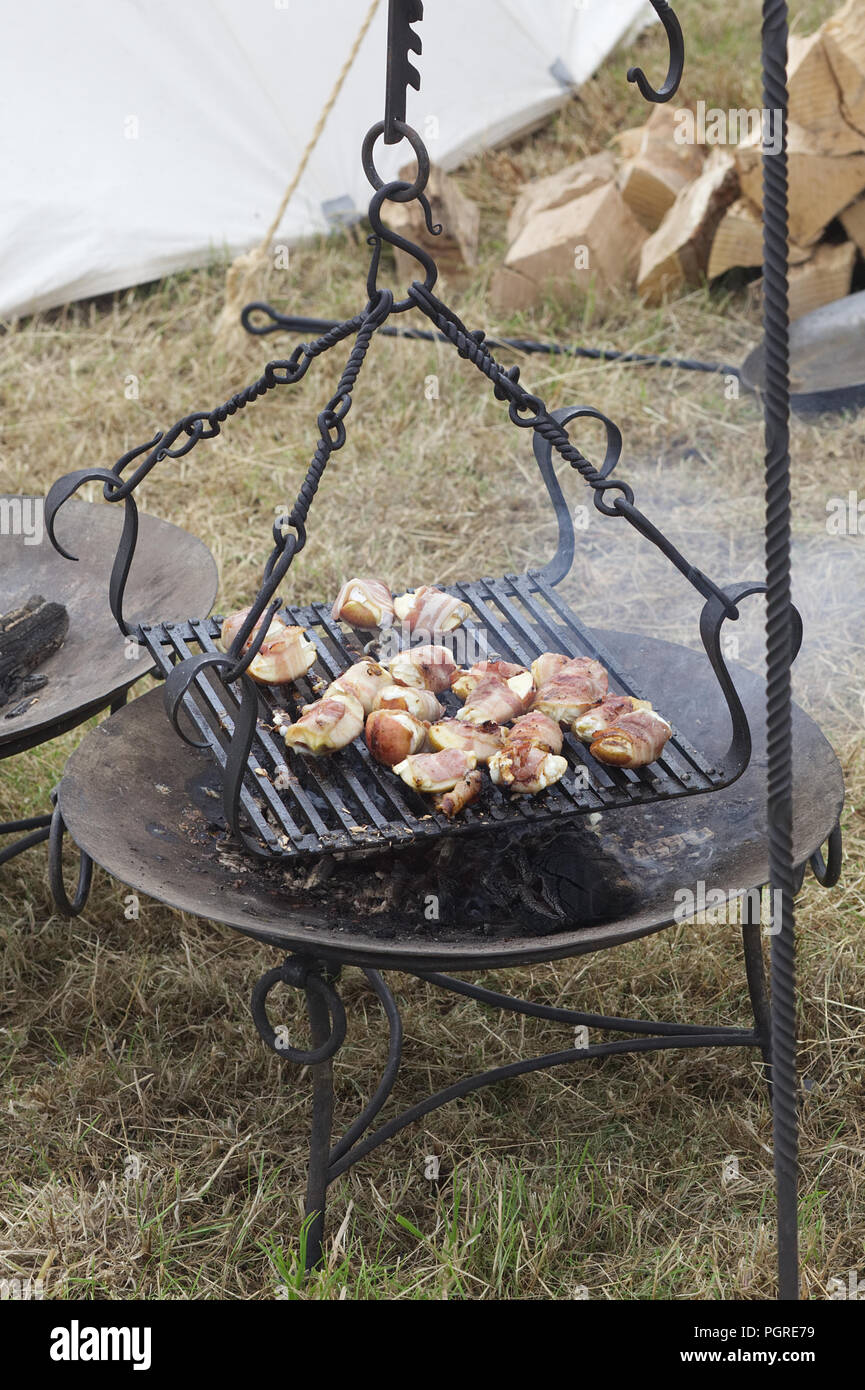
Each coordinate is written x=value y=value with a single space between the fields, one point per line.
x=678 y=201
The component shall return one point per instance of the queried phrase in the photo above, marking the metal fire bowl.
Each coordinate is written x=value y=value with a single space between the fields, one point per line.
x=172 y=575
x=138 y=801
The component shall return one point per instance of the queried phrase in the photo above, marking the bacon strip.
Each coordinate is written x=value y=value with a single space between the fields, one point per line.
x=481 y=739
x=634 y=740
x=364 y=603
x=363 y=680
x=330 y=723
x=429 y=610
x=426 y=668
x=494 y=700
x=591 y=725
x=435 y=772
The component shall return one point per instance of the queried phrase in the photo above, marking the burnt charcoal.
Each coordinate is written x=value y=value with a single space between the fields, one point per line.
x=29 y=635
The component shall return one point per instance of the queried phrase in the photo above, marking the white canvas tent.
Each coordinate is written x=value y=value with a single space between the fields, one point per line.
x=141 y=136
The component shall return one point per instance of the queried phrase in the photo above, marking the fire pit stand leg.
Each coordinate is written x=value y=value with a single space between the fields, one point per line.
x=322 y=1122
x=755 y=970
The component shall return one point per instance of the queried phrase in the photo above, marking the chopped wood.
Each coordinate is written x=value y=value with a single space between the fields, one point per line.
x=594 y=240
x=555 y=189
x=739 y=241
x=815 y=100
x=844 y=43
x=511 y=292
x=853 y=222
x=455 y=249
x=29 y=634
x=660 y=167
x=822 y=279
x=820 y=185
x=677 y=254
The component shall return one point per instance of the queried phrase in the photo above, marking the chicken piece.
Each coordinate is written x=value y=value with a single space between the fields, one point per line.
x=363 y=680
x=435 y=772
x=573 y=690
x=364 y=603
x=498 y=701
x=465 y=681
x=426 y=668
x=536 y=727
x=547 y=665
x=591 y=724
x=467 y=790
x=481 y=739
x=331 y=723
x=526 y=768
x=393 y=734
x=421 y=703
x=634 y=740
x=429 y=610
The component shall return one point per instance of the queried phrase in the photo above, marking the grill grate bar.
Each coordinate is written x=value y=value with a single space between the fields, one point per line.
x=348 y=802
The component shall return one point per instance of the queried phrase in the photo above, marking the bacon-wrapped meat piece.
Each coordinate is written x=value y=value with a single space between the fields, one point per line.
x=634 y=740
x=467 y=790
x=465 y=681
x=591 y=724
x=435 y=772
x=481 y=739
x=330 y=723
x=496 y=701
x=285 y=655
x=547 y=665
x=573 y=690
x=429 y=610
x=363 y=680
x=421 y=703
x=426 y=668
x=536 y=727
x=525 y=767
x=393 y=734
x=364 y=603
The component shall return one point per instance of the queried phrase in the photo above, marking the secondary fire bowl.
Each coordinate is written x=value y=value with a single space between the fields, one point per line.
x=172 y=573
x=148 y=809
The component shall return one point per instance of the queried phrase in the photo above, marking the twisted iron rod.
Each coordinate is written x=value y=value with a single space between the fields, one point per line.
x=779 y=648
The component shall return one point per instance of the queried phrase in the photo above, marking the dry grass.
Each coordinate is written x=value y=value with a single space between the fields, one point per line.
x=149 y=1144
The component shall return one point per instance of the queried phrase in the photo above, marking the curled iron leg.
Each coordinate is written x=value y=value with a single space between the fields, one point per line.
x=68 y=907
x=37 y=828
x=828 y=871
x=301 y=974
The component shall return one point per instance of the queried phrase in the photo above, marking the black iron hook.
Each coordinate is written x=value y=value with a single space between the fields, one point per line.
x=382 y=233
x=677 y=58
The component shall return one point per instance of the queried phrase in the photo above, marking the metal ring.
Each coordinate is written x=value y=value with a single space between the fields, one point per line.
x=828 y=871
x=613 y=484
x=290 y=972
x=55 y=869
x=420 y=153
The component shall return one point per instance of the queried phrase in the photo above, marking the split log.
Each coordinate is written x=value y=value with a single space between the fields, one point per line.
x=592 y=241
x=511 y=292
x=844 y=44
x=29 y=634
x=820 y=185
x=660 y=167
x=853 y=222
x=455 y=249
x=677 y=254
x=739 y=241
x=562 y=187
x=823 y=278
x=815 y=100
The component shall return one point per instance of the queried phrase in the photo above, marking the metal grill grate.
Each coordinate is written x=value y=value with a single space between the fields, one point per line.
x=302 y=807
